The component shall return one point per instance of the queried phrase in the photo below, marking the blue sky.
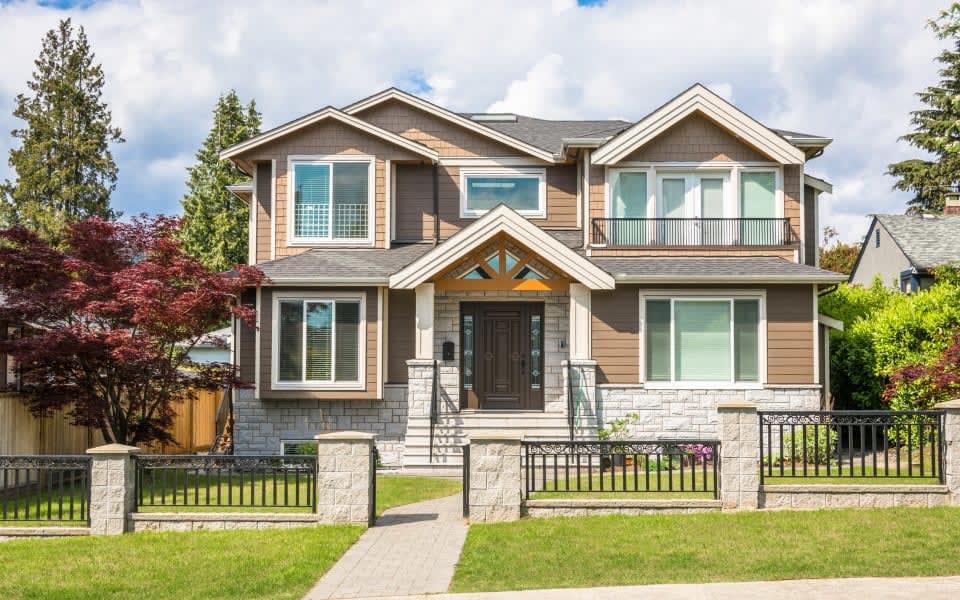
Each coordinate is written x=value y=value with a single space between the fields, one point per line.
x=845 y=69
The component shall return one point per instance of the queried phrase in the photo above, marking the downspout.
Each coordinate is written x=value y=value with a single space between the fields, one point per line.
x=436 y=204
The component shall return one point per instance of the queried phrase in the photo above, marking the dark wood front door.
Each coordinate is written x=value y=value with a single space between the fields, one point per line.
x=502 y=355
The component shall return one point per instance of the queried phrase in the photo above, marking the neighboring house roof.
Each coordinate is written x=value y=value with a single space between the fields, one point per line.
x=701 y=269
x=502 y=219
x=215 y=339
x=926 y=240
x=320 y=115
x=695 y=99
x=550 y=135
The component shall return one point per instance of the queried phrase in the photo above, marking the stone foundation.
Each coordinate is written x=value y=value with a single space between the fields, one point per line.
x=812 y=497
x=691 y=414
x=260 y=425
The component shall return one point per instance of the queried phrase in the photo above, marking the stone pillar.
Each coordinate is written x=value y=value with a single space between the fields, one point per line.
x=496 y=483
x=951 y=442
x=580 y=317
x=419 y=387
x=584 y=388
x=739 y=455
x=344 y=472
x=112 y=488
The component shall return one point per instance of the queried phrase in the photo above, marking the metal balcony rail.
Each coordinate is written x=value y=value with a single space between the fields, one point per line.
x=631 y=232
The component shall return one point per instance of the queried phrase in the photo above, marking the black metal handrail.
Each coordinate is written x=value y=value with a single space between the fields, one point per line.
x=372 y=498
x=434 y=406
x=228 y=481
x=622 y=466
x=45 y=488
x=466 y=481
x=850 y=443
x=626 y=232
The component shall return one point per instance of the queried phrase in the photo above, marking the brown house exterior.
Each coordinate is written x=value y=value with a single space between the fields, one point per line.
x=503 y=272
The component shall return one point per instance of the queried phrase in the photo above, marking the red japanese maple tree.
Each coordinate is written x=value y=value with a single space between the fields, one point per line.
x=113 y=313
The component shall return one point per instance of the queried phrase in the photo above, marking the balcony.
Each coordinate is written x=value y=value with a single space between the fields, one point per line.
x=633 y=232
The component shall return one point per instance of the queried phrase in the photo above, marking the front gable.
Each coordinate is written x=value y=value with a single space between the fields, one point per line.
x=696 y=138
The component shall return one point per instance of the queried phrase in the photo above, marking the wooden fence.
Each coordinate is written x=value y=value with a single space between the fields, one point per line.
x=194 y=428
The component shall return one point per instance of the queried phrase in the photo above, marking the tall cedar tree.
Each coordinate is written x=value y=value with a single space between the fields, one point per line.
x=115 y=309
x=65 y=171
x=215 y=224
x=936 y=129
x=835 y=255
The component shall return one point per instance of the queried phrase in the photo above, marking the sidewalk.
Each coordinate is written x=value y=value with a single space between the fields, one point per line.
x=412 y=549
x=879 y=588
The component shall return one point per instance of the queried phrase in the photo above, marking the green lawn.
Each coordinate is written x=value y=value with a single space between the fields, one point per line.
x=396 y=490
x=706 y=547
x=646 y=485
x=848 y=476
x=279 y=563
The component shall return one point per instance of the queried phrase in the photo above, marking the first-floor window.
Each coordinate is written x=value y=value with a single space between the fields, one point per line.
x=319 y=341
x=702 y=339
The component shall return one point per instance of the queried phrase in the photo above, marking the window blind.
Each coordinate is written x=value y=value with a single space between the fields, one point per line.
x=658 y=340
x=290 y=341
x=348 y=341
x=702 y=340
x=746 y=321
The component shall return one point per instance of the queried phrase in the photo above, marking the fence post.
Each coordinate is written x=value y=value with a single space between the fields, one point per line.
x=344 y=477
x=951 y=447
x=112 y=488
x=495 y=480
x=739 y=455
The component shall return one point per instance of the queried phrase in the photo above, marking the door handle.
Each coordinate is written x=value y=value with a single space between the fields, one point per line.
x=523 y=366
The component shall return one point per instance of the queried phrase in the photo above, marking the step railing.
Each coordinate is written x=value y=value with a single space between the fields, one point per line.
x=434 y=406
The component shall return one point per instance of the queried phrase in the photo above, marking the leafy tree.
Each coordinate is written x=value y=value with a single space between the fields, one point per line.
x=65 y=170
x=116 y=308
x=214 y=220
x=835 y=255
x=935 y=128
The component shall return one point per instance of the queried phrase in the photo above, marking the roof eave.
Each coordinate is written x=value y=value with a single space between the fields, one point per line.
x=801 y=279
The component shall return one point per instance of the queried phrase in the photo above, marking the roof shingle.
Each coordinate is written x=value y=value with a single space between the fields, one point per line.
x=926 y=240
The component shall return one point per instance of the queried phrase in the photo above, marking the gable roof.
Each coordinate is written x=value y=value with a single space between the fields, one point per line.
x=698 y=98
x=328 y=113
x=455 y=118
x=926 y=240
x=502 y=220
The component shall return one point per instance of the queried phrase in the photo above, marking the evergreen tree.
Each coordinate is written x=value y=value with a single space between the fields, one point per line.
x=214 y=220
x=936 y=127
x=65 y=171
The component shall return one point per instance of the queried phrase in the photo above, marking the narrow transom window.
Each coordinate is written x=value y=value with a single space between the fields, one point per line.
x=523 y=190
x=330 y=200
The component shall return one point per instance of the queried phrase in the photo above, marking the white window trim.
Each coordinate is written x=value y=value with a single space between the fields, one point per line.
x=730 y=171
x=705 y=295
x=295 y=159
x=539 y=173
x=361 y=382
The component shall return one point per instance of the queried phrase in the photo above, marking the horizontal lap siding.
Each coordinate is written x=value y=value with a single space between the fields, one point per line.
x=414 y=198
x=266 y=350
x=790 y=335
x=246 y=342
x=327 y=138
x=264 y=216
x=615 y=334
x=401 y=317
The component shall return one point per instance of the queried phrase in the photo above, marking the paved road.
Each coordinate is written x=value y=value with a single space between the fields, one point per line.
x=413 y=549
x=899 y=588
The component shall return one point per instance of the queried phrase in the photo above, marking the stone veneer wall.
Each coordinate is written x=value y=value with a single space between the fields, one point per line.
x=799 y=497
x=556 y=327
x=260 y=425
x=692 y=414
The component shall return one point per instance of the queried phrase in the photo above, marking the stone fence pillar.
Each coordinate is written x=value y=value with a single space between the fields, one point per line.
x=345 y=472
x=951 y=442
x=112 y=488
x=739 y=455
x=496 y=483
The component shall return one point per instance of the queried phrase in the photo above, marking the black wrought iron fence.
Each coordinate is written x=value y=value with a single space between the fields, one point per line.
x=560 y=467
x=466 y=481
x=874 y=444
x=45 y=489
x=287 y=482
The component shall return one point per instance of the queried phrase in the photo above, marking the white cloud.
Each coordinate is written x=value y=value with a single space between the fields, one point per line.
x=846 y=69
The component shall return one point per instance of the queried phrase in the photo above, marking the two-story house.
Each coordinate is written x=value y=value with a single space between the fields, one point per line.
x=434 y=274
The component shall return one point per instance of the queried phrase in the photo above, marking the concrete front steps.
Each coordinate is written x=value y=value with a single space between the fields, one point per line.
x=454 y=430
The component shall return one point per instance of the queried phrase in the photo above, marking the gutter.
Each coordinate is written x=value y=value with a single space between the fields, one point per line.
x=624 y=278
x=327 y=281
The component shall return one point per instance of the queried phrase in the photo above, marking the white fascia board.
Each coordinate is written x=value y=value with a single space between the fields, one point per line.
x=830 y=322
x=699 y=98
x=439 y=111
x=828 y=279
x=818 y=184
x=502 y=220
x=320 y=115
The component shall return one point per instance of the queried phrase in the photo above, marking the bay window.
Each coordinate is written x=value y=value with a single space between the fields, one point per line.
x=317 y=342
x=331 y=199
x=700 y=339
x=523 y=190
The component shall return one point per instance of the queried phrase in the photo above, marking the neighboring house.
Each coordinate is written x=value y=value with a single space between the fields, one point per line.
x=213 y=346
x=902 y=249
x=656 y=267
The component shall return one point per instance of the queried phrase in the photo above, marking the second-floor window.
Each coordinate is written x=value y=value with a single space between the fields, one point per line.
x=523 y=190
x=331 y=200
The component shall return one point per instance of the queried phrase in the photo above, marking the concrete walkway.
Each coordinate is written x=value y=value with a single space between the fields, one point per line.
x=880 y=588
x=411 y=550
